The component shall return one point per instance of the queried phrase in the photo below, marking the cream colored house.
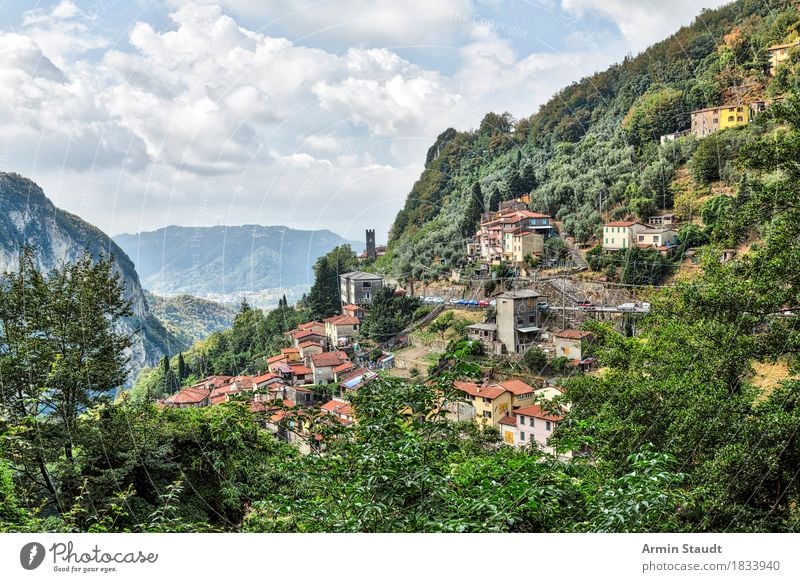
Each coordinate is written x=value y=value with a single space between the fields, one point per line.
x=657 y=237
x=621 y=235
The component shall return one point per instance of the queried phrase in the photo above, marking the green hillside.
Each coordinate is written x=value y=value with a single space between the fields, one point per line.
x=592 y=152
x=190 y=319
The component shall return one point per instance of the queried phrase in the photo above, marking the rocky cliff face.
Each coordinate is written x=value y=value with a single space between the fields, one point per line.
x=28 y=217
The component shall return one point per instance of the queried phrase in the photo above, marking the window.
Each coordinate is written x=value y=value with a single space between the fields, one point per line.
x=739 y=118
x=548 y=427
x=641 y=238
x=730 y=118
x=715 y=120
x=487 y=414
x=531 y=319
x=530 y=422
x=739 y=109
x=521 y=436
x=522 y=420
x=366 y=284
x=487 y=401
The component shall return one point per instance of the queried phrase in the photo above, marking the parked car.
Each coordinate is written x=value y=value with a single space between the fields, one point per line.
x=455 y=301
x=542 y=306
x=585 y=304
x=473 y=303
x=437 y=300
x=645 y=306
x=483 y=303
x=627 y=307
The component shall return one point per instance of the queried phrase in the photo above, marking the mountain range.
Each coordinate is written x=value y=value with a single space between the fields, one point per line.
x=223 y=260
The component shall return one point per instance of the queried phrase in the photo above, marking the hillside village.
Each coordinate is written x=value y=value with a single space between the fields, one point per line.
x=315 y=377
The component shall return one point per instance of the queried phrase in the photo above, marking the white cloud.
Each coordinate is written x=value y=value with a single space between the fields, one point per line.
x=643 y=22
x=388 y=22
x=209 y=121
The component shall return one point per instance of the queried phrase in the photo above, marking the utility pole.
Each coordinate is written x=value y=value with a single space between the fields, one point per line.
x=563 y=302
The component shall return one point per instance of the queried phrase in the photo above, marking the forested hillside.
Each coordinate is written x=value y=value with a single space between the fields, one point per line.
x=592 y=152
x=190 y=319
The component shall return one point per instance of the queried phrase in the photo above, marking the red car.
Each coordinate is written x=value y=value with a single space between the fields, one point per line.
x=483 y=303
x=585 y=304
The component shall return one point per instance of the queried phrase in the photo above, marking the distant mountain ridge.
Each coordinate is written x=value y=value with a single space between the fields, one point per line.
x=28 y=217
x=219 y=260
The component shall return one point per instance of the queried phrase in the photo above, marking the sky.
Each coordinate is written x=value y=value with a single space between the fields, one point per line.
x=138 y=114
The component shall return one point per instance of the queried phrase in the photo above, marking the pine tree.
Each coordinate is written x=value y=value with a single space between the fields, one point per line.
x=472 y=215
x=494 y=198
x=182 y=371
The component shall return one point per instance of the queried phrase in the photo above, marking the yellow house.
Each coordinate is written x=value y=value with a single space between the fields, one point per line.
x=491 y=402
x=733 y=116
x=712 y=119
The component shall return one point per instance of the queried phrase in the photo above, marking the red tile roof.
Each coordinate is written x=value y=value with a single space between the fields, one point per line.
x=573 y=334
x=191 y=395
x=306 y=333
x=624 y=223
x=309 y=344
x=344 y=367
x=337 y=407
x=516 y=387
x=290 y=351
x=275 y=359
x=243 y=382
x=220 y=395
x=537 y=412
x=264 y=378
x=490 y=391
x=509 y=420
x=327 y=359
x=342 y=320
x=300 y=370
x=309 y=324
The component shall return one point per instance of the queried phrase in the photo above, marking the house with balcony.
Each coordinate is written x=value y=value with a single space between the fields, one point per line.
x=341 y=330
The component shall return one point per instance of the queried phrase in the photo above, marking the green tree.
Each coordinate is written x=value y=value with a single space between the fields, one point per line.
x=535 y=360
x=64 y=353
x=324 y=297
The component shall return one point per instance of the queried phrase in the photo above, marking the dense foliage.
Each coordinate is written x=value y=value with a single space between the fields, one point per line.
x=592 y=152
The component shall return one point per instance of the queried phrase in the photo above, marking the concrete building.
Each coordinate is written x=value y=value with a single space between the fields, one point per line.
x=569 y=343
x=518 y=320
x=486 y=333
x=359 y=287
